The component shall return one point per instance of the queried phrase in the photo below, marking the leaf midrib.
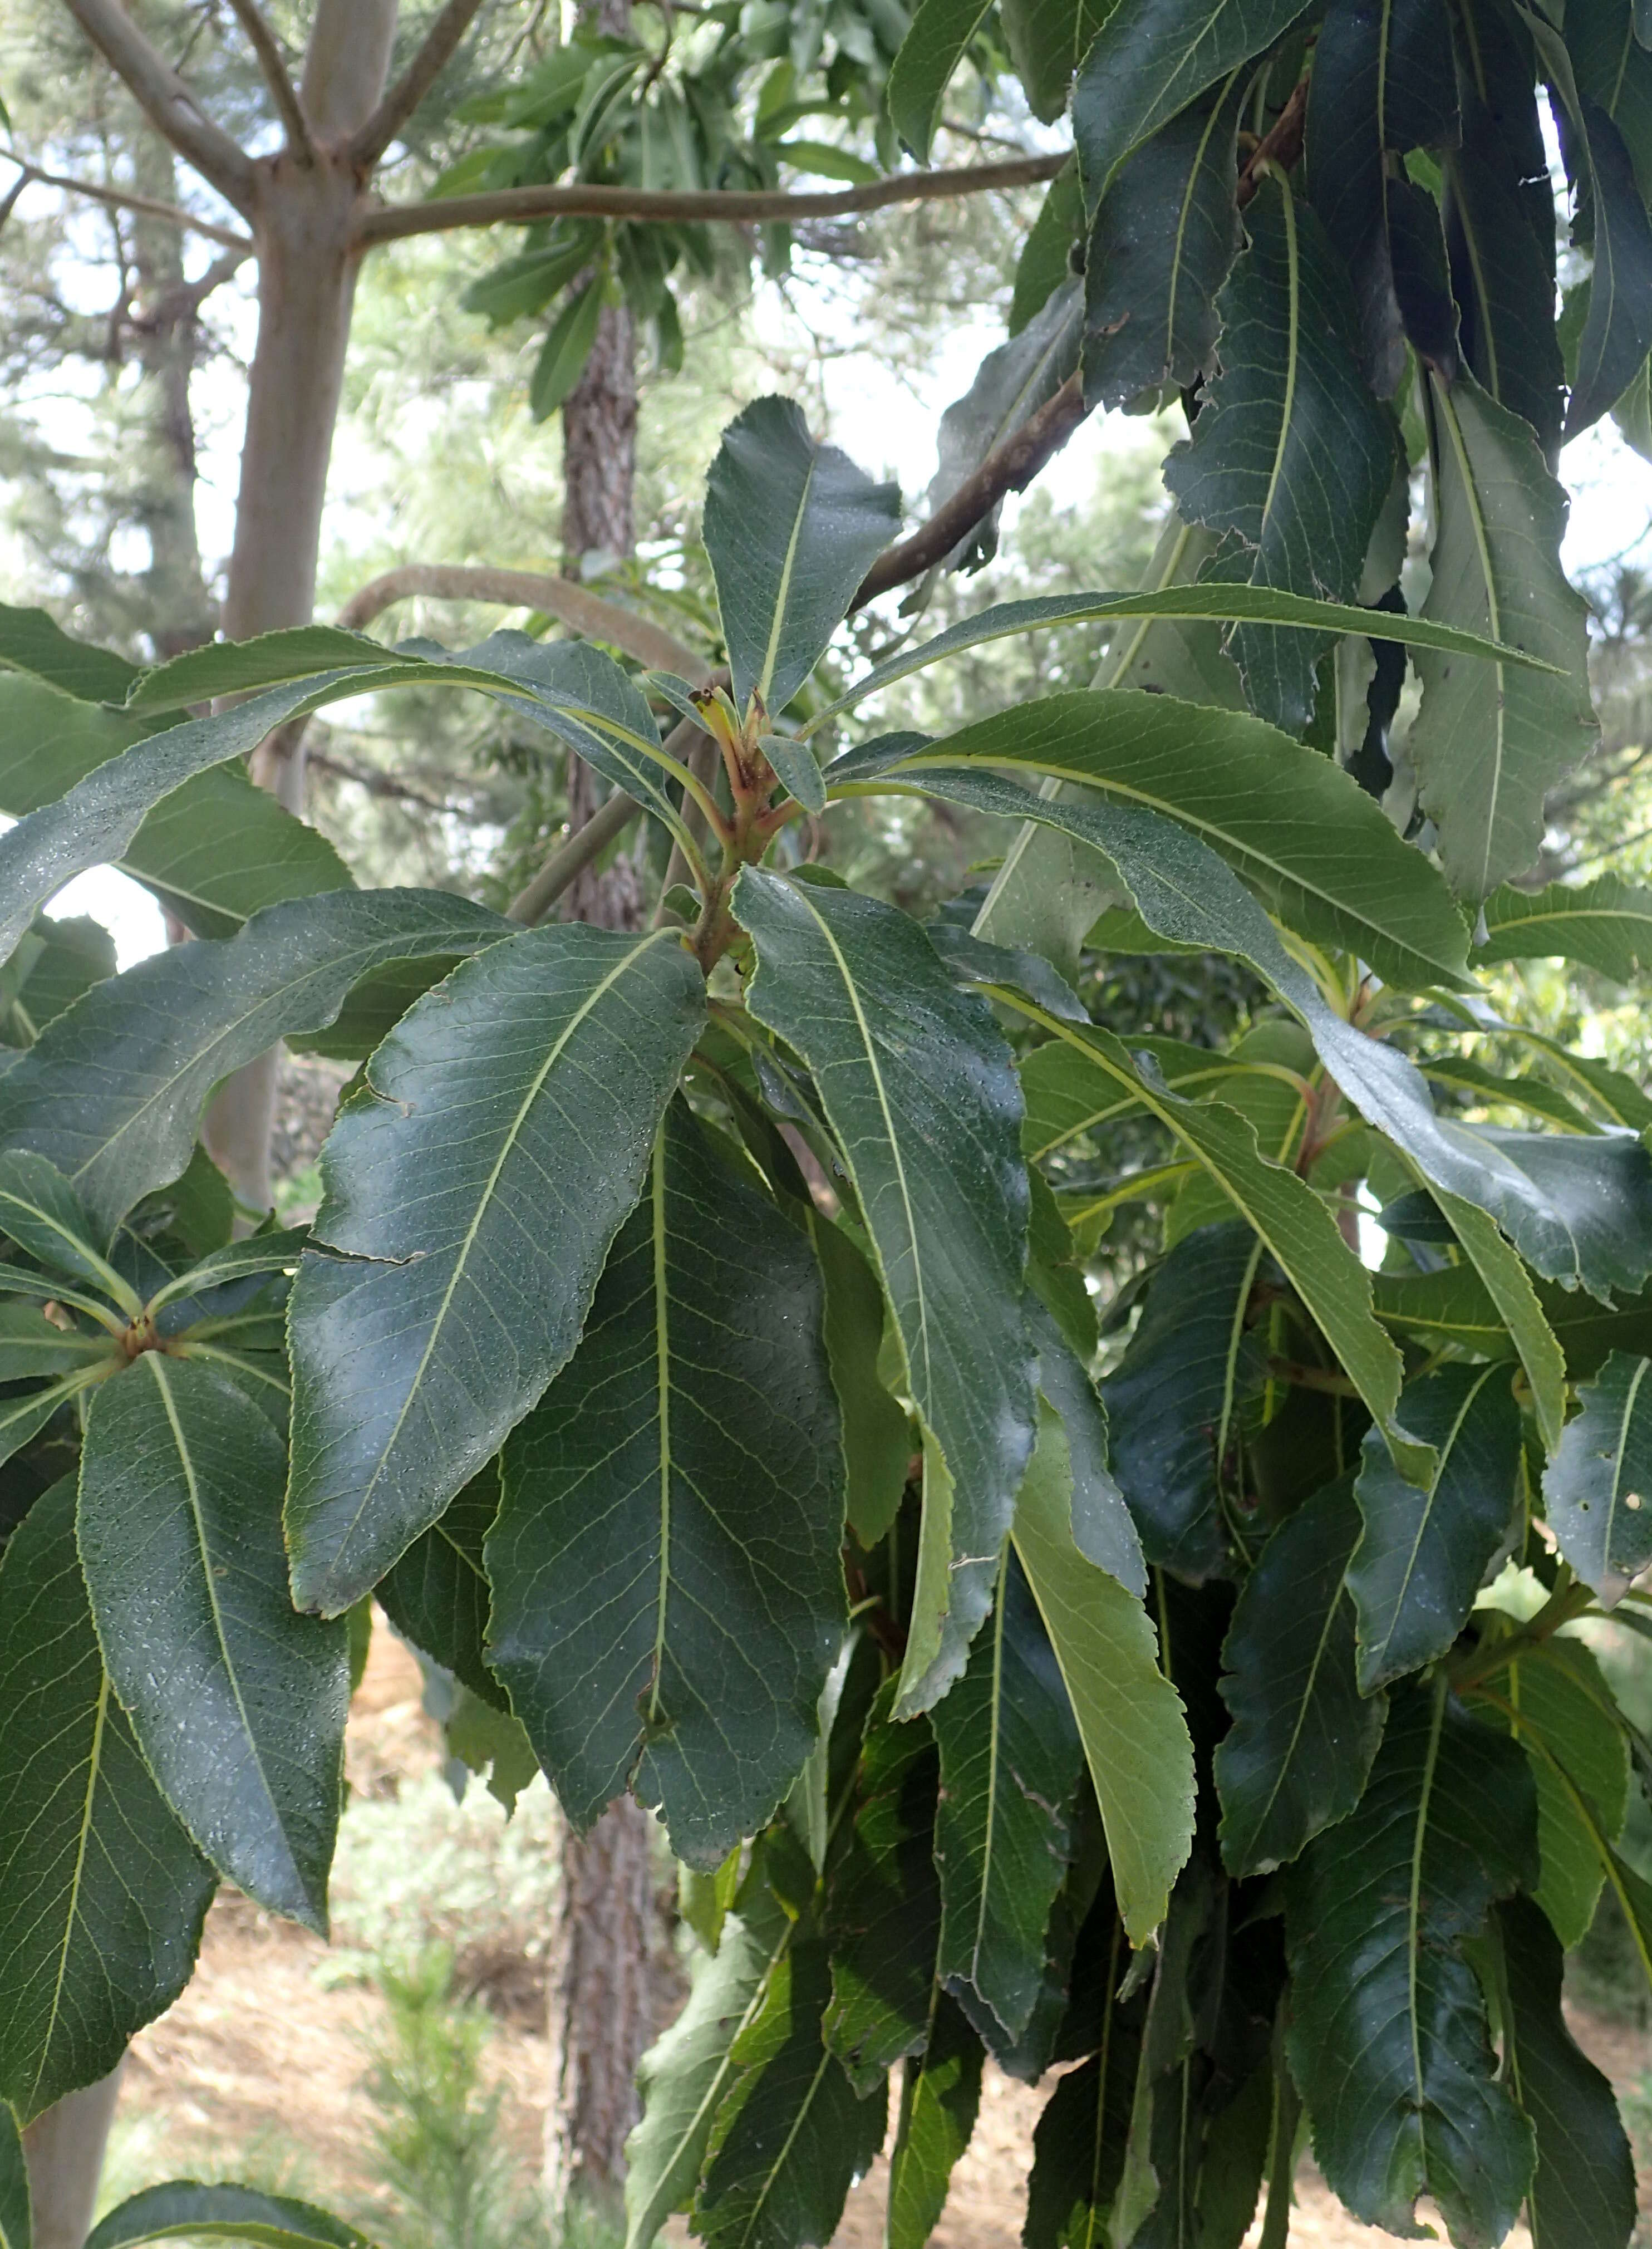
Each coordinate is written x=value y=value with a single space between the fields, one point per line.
x=1445 y=1451
x=777 y=624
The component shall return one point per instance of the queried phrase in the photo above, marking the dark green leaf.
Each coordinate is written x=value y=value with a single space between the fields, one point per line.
x=876 y=1433
x=791 y=527
x=1597 y=1490
x=55 y=963
x=1388 y=2042
x=973 y=960
x=933 y=47
x=471 y=1193
x=237 y=1702
x=567 y=347
x=276 y=1252
x=1299 y=1751
x=186 y=2209
x=792 y=2134
x=1510 y=1288
x=436 y=1595
x=1583 y=2189
x=1163 y=240
x=40 y=1211
x=1079 y=2146
x=919 y=1089
x=1486 y=748
x=32 y=641
x=102 y=1895
x=666 y=1550
x=1291 y=453
x=939 y=2097
x=797 y=770
x=1103 y=1529
x=1417 y=1568
x=114 y=1088
x=1048 y=40
x=1010 y=1764
x=15 y=2230
x=1613 y=69
x=1044 y=261
x=1605 y=923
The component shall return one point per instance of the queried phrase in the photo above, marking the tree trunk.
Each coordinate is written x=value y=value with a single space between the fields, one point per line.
x=64 y=2152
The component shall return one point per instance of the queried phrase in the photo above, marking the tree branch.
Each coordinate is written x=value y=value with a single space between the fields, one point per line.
x=588 y=200
x=530 y=589
x=124 y=199
x=166 y=100
x=536 y=900
x=416 y=81
x=271 y=63
x=1010 y=466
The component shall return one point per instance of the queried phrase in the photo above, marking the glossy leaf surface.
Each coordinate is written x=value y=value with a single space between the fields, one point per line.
x=1597 y=1490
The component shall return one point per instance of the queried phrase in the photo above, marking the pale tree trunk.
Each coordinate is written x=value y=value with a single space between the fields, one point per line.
x=65 y=2151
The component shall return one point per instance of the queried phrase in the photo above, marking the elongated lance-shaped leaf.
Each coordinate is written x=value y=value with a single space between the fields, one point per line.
x=1129 y=1715
x=941 y=2096
x=436 y=1596
x=1151 y=58
x=935 y=46
x=32 y=641
x=667 y=1546
x=1048 y=39
x=272 y=659
x=276 y=1252
x=1426 y=1546
x=1290 y=452
x=470 y=1194
x=1485 y=749
x=102 y=1895
x=114 y=1090
x=1583 y=2189
x=791 y=528
x=1510 y=1286
x=40 y=1211
x=237 y=1702
x=1597 y=1490
x=792 y=2133
x=1010 y=1763
x=1102 y=1527
x=1387 y=2041
x=876 y=1431
x=1605 y=924
x=919 y=1090
x=685 y=2074
x=213 y=852
x=1079 y=2146
x=186 y=2210
x=1165 y=234
x=1298 y=1753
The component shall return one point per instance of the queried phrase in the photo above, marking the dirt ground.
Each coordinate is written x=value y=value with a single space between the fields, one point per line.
x=262 y=2051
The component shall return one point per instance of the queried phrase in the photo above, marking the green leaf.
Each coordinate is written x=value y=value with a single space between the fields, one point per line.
x=876 y=1431
x=1425 y=1549
x=1010 y=1765
x=1163 y=240
x=1044 y=264
x=791 y=527
x=1388 y=2042
x=102 y=1895
x=685 y=2074
x=471 y=1193
x=1297 y=1755
x=935 y=46
x=1509 y=1285
x=1129 y=1715
x=1583 y=2191
x=792 y=2133
x=1173 y=1403
x=237 y=1702
x=796 y=769
x=919 y=1090
x=32 y=641
x=114 y=1090
x=436 y=1595
x=56 y=963
x=15 y=2230
x=1291 y=453
x=184 y=2208
x=40 y=1211
x=940 y=2095
x=1048 y=40
x=277 y=1252
x=1079 y=2145
x=272 y=659
x=1102 y=1527
x=1486 y=748
x=1605 y=923
x=667 y=1547
x=566 y=347
x=1597 y=1490
x=824 y=160
x=1151 y=58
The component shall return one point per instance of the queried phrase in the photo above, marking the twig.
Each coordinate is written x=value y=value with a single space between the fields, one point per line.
x=534 y=900
x=166 y=100
x=581 y=199
x=530 y=589
x=1280 y=145
x=378 y=784
x=124 y=199
x=416 y=81
x=283 y=92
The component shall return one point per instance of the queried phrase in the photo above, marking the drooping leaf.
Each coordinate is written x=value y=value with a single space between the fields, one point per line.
x=1010 y=1763
x=1129 y=1715
x=1174 y=1402
x=1151 y=57
x=1290 y=454
x=566 y=347
x=102 y=1895
x=1165 y=236
x=1078 y=2146
x=939 y=2097
x=1597 y=1490
x=1486 y=748
x=791 y=526
x=1103 y=1529
x=1387 y=2041
x=470 y=1194
x=1044 y=263
x=876 y=1432
x=1608 y=52
x=935 y=44
x=237 y=1702
x=221 y=668
x=1583 y=2189
x=40 y=1211
x=1605 y=923
x=1048 y=40
x=666 y=1550
x=792 y=2133
x=1510 y=1287
x=114 y=1090
x=436 y=1595
x=186 y=2210
x=1299 y=1751
x=1425 y=1548
x=919 y=1088
x=56 y=963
